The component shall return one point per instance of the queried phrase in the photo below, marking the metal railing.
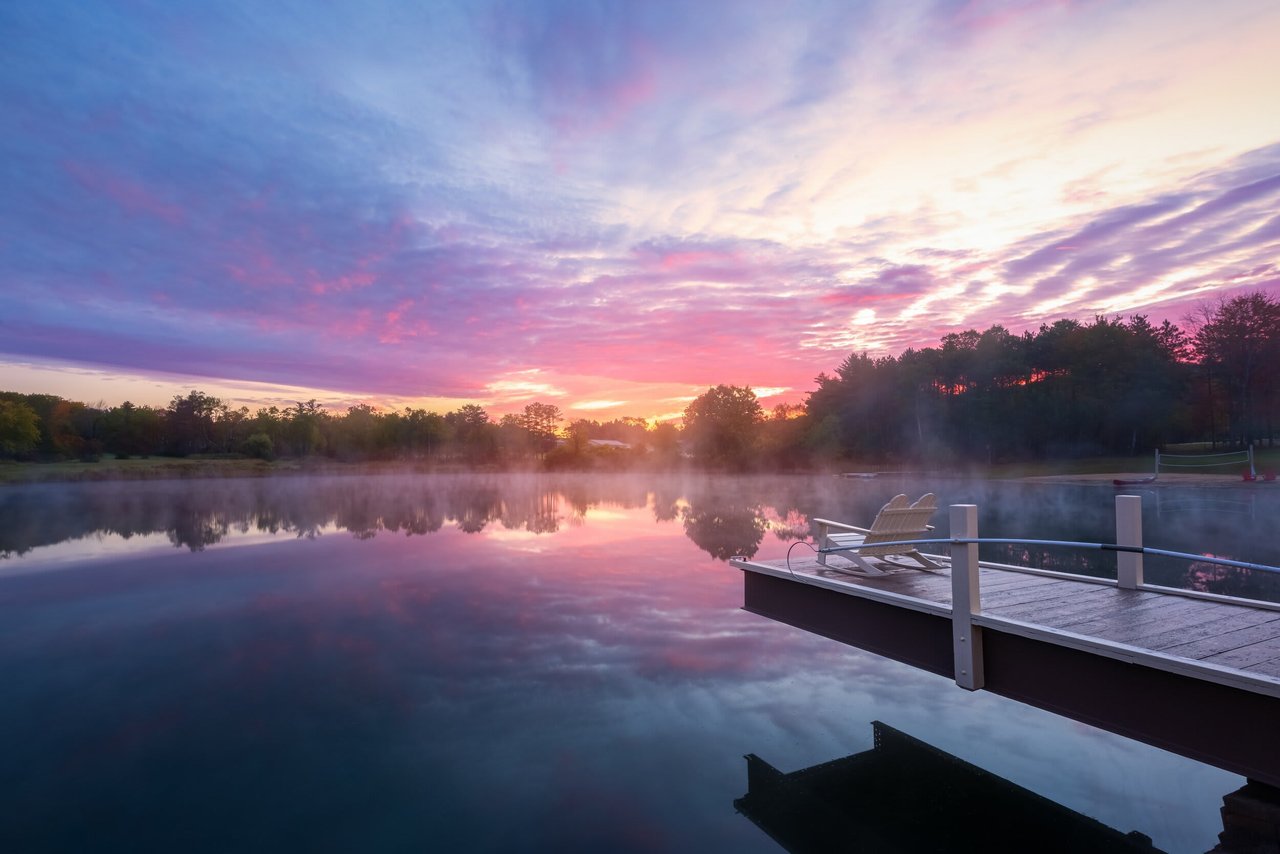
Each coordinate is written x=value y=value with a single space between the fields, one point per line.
x=1128 y=547
x=1106 y=547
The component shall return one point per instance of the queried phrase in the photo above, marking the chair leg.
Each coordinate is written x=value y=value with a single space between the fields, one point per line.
x=922 y=560
x=866 y=568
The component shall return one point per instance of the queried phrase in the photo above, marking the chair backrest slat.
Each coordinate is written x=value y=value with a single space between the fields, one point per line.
x=898 y=520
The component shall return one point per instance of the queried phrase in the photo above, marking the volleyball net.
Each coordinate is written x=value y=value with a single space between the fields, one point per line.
x=1192 y=462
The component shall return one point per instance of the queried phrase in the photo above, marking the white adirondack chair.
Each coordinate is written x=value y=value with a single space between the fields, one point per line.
x=897 y=520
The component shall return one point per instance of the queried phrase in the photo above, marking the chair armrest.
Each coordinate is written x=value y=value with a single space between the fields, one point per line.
x=827 y=523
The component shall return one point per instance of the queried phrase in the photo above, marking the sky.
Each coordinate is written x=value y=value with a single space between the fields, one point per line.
x=608 y=207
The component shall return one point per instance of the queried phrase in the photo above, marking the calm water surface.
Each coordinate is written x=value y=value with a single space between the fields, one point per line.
x=502 y=663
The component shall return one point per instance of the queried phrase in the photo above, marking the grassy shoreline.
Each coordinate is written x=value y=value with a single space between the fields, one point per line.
x=173 y=468
x=180 y=468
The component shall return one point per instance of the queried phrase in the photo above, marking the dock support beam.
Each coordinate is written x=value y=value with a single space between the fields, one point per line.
x=966 y=598
x=1129 y=533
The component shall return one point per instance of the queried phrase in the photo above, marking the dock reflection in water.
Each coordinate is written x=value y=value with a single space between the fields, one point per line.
x=905 y=795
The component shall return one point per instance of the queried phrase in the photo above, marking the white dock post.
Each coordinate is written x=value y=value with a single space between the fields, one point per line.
x=1129 y=533
x=966 y=599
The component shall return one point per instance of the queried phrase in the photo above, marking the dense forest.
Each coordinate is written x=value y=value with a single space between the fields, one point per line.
x=1109 y=386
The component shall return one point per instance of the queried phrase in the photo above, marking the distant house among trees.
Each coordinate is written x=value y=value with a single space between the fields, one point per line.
x=608 y=443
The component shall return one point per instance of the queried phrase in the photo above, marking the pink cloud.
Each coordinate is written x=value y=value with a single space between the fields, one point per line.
x=698 y=258
x=852 y=298
x=394 y=330
x=348 y=282
x=133 y=196
x=989 y=16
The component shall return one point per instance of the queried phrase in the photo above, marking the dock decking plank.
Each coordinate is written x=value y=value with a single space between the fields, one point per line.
x=924 y=586
x=1077 y=604
x=994 y=580
x=929 y=585
x=1144 y=601
x=1009 y=581
x=1271 y=667
x=1161 y=632
x=1226 y=641
x=1132 y=611
x=1119 y=620
x=1049 y=591
x=1244 y=656
x=1160 y=638
x=1042 y=595
x=899 y=582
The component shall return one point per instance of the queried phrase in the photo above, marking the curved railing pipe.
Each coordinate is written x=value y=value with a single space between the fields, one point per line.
x=1106 y=547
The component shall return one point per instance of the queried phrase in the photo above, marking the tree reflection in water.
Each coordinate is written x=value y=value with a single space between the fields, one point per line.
x=723 y=515
x=715 y=514
x=725 y=530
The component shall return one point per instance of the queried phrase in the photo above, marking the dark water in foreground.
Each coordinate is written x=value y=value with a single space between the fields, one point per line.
x=500 y=663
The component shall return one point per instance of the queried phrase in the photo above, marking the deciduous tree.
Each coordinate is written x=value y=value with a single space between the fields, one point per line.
x=19 y=428
x=723 y=423
x=1237 y=340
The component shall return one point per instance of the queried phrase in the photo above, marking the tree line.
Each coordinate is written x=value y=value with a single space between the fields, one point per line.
x=1107 y=386
x=47 y=427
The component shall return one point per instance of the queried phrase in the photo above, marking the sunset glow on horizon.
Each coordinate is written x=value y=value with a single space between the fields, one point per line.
x=608 y=207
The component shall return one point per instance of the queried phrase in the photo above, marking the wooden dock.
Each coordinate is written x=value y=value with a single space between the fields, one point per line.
x=1193 y=673
x=871 y=801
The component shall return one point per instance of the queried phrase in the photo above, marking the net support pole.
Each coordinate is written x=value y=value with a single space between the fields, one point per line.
x=1129 y=533
x=966 y=598
x=1157 y=471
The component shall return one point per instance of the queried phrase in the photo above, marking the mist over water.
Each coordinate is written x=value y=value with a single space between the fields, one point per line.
x=724 y=516
x=500 y=662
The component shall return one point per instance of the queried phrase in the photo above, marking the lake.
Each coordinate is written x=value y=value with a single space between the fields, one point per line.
x=507 y=662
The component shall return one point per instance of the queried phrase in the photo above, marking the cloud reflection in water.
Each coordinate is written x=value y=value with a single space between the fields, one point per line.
x=559 y=678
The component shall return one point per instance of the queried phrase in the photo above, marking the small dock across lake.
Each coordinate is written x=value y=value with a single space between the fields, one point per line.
x=1193 y=673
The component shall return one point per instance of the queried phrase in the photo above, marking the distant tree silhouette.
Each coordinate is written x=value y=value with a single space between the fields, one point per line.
x=189 y=423
x=476 y=434
x=542 y=420
x=19 y=428
x=304 y=427
x=723 y=423
x=1237 y=342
